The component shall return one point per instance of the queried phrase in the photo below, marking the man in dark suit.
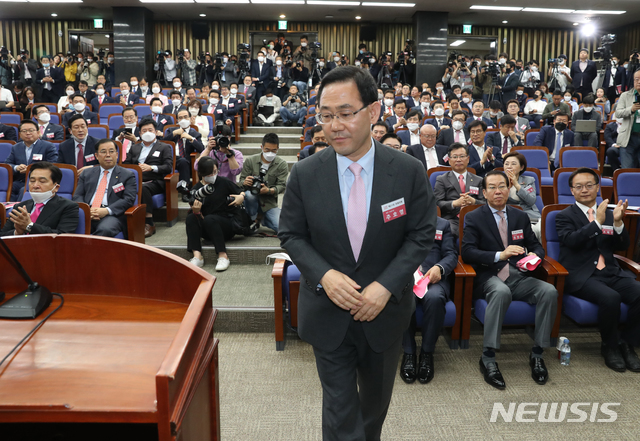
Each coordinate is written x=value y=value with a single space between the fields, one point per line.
x=79 y=149
x=397 y=119
x=176 y=103
x=27 y=68
x=428 y=152
x=440 y=122
x=612 y=146
x=86 y=92
x=476 y=114
x=188 y=140
x=583 y=72
x=507 y=138
x=45 y=212
x=50 y=81
x=231 y=104
x=233 y=93
x=589 y=235
x=7 y=133
x=482 y=158
x=509 y=84
x=615 y=80
x=496 y=237
x=29 y=150
x=355 y=303
x=109 y=189
x=260 y=74
x=215 y=108
x=157 y=116
x=156 y=161
x=554 y=138
x=130 y=133
x=127 y=98
x=457 y=188
x=248 y=90
x=437 y=266
x=48 y=131
x=80 y=106
x=101 y=98
x=458 y=132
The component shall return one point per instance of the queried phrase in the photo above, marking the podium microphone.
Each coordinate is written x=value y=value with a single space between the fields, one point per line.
x=31 y=302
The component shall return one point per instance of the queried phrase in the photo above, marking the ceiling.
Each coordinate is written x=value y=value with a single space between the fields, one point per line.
x=459 y=12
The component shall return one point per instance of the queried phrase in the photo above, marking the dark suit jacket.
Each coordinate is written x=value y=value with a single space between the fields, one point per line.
x=89 y=95
x=482 y=240
x=58 y=216
x=95 y=103
x=169 y=109
x=232 y=107
x=443 y=253
x=474 y=161
x=7 y=133
x=472 y=118
x=249 y=92
x=447 y=190
x=117 y=202
x=263 y=77
x=313 y=230
x=586 y=77
x=495 y=140
x=405 y=136
x=582 y=242
x=57 y=75
x=446 y=136
x=90 y=117
x=547 y=137
x=620 y=78
x=611 y=134
x=136 y=132
x=220 y=113
x=31 y=65
x=160 y=120
x=18 y=155
x=53 y=132
x=160 y=156
x=393 y=119
x=509 y=87
x=189 y=146
x=67 y=152
x=417 y=151
x=131 y=99
x=445 y=122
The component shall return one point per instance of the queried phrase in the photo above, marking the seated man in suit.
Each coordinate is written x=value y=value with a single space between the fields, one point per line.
x=392 y=140
x=457 y=188
x=397 y=119
x=156 y=161
x=176 y=103
x=216 y=109
x=109 y=189
x=426 y=151
x=230 y=103
x=465 y=103
x=188 y=140
x=494 y=113
x=7 y=133
x=80 y=106
x=554 y=107
x=476 y=114
x=101 y=98
x=316 y=134
x=233 y=93
x=612 y=146
x=496 y=237
x=589 y=235
x=130 y=133
x=437 y=266
x=507 y=138
x=412 y=135
x=378 y=130
x=30 y=149
x=127 y=98
x=482 y=158
x=440 y=122
x=45 y=212
x=48 y=131
x=458 y=132
x=157 y=116
x=454 y=104
x=587 y=113
x=522 y=125
x=424 y=105
x=86 y=92
x=386 y=107
x=248 y=89
x=79 y=149
x=554 y=138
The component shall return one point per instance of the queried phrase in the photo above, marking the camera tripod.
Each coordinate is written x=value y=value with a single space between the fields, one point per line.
x=384 y=78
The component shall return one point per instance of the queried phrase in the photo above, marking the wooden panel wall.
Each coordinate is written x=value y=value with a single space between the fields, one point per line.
x=628 y=39
x=40 y=37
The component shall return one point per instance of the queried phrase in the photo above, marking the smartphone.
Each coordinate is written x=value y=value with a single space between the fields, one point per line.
x=127 y=130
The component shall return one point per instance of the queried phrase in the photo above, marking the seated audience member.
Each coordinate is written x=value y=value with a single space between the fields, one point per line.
x=130 y=133
x=175 y=103
x=439 y=92
x=268 y=108
x=227 y=101
x=47 y=130
x=612 y=146
x=109 y=189
x=83 y=89
x=458 y=132
x=230 y=161
x=45 y=212
x=476 y=114
x=101 y=98
x=414 y=99
x=378 y=130
x=248 y=89
x=80 y=148
x=65 y=102
x=233 y=93
x=426 y=151
x=494 y=113
x=412 y=135
x=437 y=266
x=318 y=146
x=187 y=140
x=507 y=138
x=534 y=109
x=568 y=99
x=212 y=217
x=216 y=109
x=554 y=138
x=29 y=150
x=601 y=98
x=157 y=116
x=522 y=189
x=466 y=96
x=440 y=122
x=397 y=120
x=386 y=107
x=457 y=188
x=156 y=92
x=126 y=98
x=554 y=107
x=589 y=235
x=197 y=119
x=189 y=95
x=482 y=158
x=587 y=112
x=293 y=108
x=156 y=161
x=263 y=199
x=454 y=104
x=520 y=97
x=522 y=125
x=80 y=106
x=8 y=133
x=544 y=88
x=392 y=140
x=494 y=255
x=316 y=134
x=424 y=105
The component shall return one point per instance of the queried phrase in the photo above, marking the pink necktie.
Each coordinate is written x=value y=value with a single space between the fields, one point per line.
x=102 y=188
x=601 y=258
x=357 y=211
x=462 y=186
x=125 y=148
x=503 y=274
x=41 y=131
x=36 y=212
x=457 y=136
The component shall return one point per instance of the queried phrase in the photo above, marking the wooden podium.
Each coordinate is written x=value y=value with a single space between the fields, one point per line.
x=130 y=355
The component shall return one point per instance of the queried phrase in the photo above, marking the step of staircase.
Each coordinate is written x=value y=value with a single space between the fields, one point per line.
x=256 y=138
x=253 y=130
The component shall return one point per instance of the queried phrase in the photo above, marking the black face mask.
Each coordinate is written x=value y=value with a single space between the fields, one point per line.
x=560 y=126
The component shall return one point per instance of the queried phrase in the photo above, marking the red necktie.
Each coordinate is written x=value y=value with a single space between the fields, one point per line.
x=505 y=146
x=100 y=100
x=181 y=148
x=36 y=212
x=462 y=186
x=80 y=160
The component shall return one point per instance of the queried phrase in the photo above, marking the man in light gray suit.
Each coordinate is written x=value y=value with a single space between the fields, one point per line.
x=357 y=219
x=450 y=196
x=629 y=131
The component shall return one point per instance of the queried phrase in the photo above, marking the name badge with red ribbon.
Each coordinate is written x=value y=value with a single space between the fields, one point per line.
x=89 y=158
x=164 y=121
x=88 y=122
x=607 y=229
x=438 y=234
x=474 y=190
x=118 y=188
x=50 y=135
x=231 y=105
x=393 y=210
x=36 y=157
x=219 y=111
x=517 y=235
x=530 y=189
x=156 y=154
x=445 y=158
x=1 y=135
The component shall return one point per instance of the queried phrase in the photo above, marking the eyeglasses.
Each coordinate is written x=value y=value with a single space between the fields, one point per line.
x=579 y=187
x=343 y=116
x=476 y=132
x=501 y=188
x=458 y=157
x=28 y=131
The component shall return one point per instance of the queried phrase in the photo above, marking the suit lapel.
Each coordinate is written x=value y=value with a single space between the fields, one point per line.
x=48 y=209
x=493 y=227
x=115 y=180
x=579 y=215
x=454 y=182
x=92 y=183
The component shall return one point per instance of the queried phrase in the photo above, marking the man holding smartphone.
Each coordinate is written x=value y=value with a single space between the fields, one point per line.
x=627 y=111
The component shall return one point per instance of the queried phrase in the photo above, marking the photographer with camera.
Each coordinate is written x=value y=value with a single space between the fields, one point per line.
x=488 y=78
x=293 y=108
x=216 y=213
x=281 y=79
x=70 y=67
x=530 y=77
x=303 y=53
x=465 y=74
x=26 y=68
x=264 y=176
x=218 y=147
x=615 y=79
x=300 y=76
x=6 y=67
x=165 y=65
x=450 y=74
x=559 y=73
x=89 y=70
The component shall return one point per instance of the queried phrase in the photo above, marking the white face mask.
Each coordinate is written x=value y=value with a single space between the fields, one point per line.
x=493 y=113
x=278 y=62
x=155 y=90
x=213 y=101
x=89 y=60
x=625 y=65
x=413 y=126
x=110 y=59
x=458 y=95
x=466 y=100
x=125 y=92
x=388 y=102
x=269 y=156
x=70 y=92
x=457 y=125
x=44 y=117
x=303 y=44
x=534 y=69
x=194 y=111
x=148 y=136
x=156 y=109
x=79 y=60
x=99 y=92
x=520 y=92
x=439 y=88
x=357 y=63
x=561 y=62
x=424 y=104
x=210 y=179
x=177 y=85
x=40 y=197
x=588 y=109
x=144 y=88
x=215 y=87
x=321 y=63
x=134 y=83
x=372 y=60
x=260 y=59
x=380 y=97
x=234 y=91
x=176 y=102
x=439 y=111
x=336 y=59
x=225 y=60
x=184 y=123
x=79 y=107
x=567 y=98
x=502 y=60
x=130 y=125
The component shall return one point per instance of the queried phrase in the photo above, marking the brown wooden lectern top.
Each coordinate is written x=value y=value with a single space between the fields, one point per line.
x=133 y=342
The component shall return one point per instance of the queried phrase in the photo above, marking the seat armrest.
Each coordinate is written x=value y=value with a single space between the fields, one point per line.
x=135 y=223
x=628 y=264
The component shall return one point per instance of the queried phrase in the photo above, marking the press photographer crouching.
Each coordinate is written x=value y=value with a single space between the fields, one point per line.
x=216 y=213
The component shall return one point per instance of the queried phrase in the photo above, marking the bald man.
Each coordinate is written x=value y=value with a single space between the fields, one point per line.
x=428 y=152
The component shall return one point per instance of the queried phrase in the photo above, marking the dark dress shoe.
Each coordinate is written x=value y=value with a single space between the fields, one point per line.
x=408 y=368
x=538 y=369
x=425 y=368
x=492 y=375
x=613 y=358
x=630 y=357
x=149 y=230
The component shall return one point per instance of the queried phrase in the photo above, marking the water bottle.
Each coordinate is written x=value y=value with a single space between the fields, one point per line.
x=565 y=353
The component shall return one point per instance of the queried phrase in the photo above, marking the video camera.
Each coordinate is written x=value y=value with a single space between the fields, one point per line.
x=180 y=54
x=405 y=57
x=160 y=56
x=258 y=180
x=23 y=54
x=604 y=52
x=4 y=53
